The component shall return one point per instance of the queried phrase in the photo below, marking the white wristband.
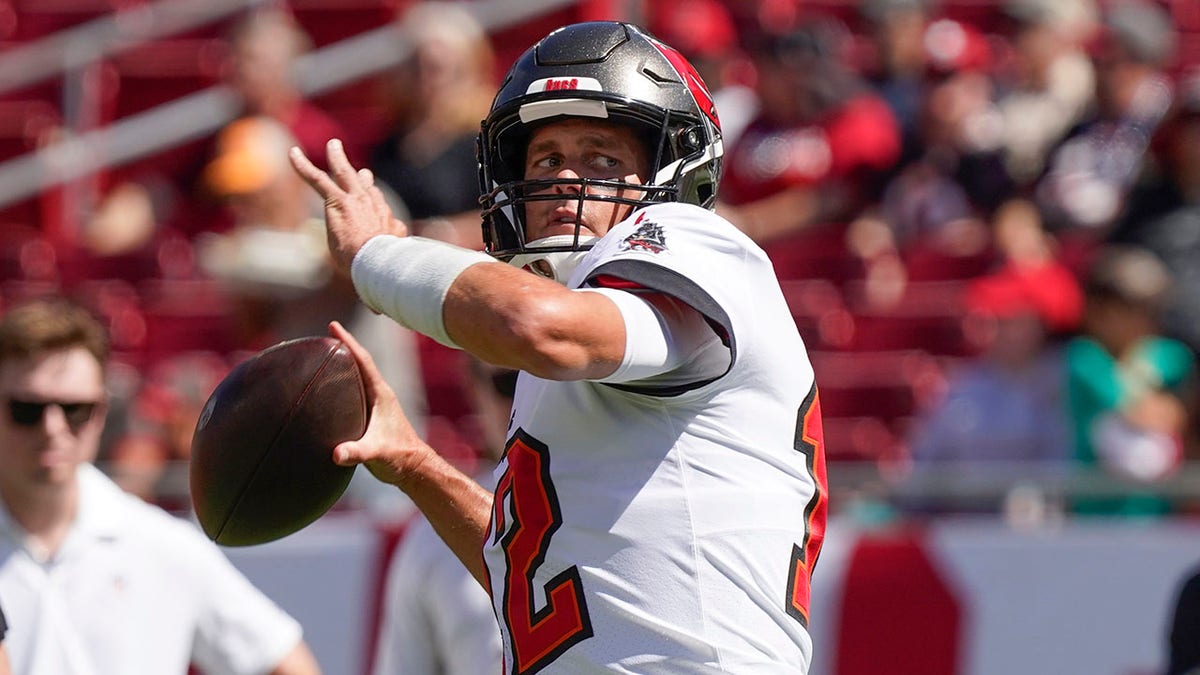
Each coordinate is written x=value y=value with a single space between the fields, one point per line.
x=407 y=279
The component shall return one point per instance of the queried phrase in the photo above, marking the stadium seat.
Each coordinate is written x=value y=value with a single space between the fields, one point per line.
x=819 y=311
x=928 y=316
x=927 y=260
x=186 y=315
x=26 y=254
x=328 y=21
x=817 y=252
x=164 y=70
x=859 y=439
x=888 y=384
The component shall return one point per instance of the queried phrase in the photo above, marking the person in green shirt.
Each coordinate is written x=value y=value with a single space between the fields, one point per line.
x=1129 y=387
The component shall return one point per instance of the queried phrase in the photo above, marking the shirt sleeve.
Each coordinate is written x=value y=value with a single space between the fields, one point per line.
x=3 y=625
x=239 y=630
x=664 y=336
x=695 y=257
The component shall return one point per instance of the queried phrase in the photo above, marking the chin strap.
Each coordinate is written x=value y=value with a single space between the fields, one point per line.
x=556 y=265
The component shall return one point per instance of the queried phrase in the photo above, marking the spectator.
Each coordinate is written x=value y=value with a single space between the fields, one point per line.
x=1090 y=174
x=275 y=266
x=263 y=48
x=1163 y=213
x=1052 y=83
x=898 y=71
x=940 y=200
x=94 y=579
x=1008 y=404
x=439 y=94
x=1129 y=388
x=437 y=620
x=820 y=142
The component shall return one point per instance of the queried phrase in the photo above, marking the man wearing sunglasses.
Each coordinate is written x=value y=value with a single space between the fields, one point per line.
x=96 y=580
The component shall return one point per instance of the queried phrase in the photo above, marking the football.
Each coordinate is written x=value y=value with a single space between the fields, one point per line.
x=262 y=452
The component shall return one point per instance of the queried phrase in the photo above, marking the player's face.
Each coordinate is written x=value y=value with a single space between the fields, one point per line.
x=574 y=149
x=43 y=444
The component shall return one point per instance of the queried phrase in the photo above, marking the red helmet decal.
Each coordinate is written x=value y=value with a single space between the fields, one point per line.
x=692 y=79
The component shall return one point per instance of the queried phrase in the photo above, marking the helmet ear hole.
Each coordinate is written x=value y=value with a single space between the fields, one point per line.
x=689 y=139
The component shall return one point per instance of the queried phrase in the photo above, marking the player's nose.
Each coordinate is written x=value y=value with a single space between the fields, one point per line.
x=572 y=183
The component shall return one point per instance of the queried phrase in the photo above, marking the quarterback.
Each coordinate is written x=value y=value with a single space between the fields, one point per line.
x=661 y=501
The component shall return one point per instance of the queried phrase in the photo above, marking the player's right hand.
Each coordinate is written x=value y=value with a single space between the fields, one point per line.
x=355 y=209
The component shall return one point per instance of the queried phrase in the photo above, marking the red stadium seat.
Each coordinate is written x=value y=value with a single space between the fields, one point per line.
x=817 y=252
x=187 y=315
x=928 y=316
x=889 y=385
x=819 y=311
x=859 y=439
x=164 y=70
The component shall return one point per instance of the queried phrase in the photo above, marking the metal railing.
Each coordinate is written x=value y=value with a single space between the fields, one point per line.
x=202 y=113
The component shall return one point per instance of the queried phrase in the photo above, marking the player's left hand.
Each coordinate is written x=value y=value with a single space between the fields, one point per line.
x=355 y=209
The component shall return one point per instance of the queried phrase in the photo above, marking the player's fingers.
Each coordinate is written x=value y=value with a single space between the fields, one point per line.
x=379 y=202
x=339 y=165
x=366 y=177
x=366 y=364
x=347 y=454
x=316 y=178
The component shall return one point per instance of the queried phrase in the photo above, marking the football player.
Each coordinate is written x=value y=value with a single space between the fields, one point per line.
x=661 y=501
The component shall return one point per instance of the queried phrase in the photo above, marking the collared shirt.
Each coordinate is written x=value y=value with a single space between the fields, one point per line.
x=133 y=590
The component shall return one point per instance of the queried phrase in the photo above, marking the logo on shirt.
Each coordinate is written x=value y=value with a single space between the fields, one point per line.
x=648 y=237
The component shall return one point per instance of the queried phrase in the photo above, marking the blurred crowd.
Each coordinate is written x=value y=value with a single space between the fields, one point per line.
x=986 y=216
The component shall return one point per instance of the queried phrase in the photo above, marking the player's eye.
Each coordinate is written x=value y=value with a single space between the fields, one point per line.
x=547 y=162
x=605 y=162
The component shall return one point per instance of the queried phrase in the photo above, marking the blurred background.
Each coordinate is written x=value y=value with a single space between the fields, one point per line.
x=985 y=215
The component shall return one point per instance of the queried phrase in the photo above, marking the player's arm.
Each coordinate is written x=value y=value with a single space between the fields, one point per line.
x=515 y=319
x=503 y=315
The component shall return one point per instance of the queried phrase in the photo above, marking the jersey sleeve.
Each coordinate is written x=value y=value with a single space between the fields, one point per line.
x=685 y=252
x=3 y=625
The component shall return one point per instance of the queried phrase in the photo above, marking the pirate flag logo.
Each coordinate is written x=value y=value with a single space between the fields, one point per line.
x=648 y=237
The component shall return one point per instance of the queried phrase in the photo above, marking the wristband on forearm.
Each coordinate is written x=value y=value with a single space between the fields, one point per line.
x=407 y=279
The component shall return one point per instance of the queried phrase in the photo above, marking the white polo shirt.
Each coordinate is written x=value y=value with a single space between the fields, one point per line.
x=135 y=591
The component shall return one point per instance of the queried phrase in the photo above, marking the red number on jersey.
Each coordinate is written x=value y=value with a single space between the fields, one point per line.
x=538 y=635
x=810 y=442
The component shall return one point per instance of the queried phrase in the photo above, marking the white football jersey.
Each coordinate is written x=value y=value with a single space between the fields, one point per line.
x=644 y=527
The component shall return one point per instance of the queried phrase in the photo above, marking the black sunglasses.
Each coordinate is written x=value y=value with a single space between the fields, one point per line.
x=30 y=413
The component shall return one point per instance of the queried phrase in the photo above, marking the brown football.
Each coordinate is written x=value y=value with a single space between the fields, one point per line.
x=262 y=453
